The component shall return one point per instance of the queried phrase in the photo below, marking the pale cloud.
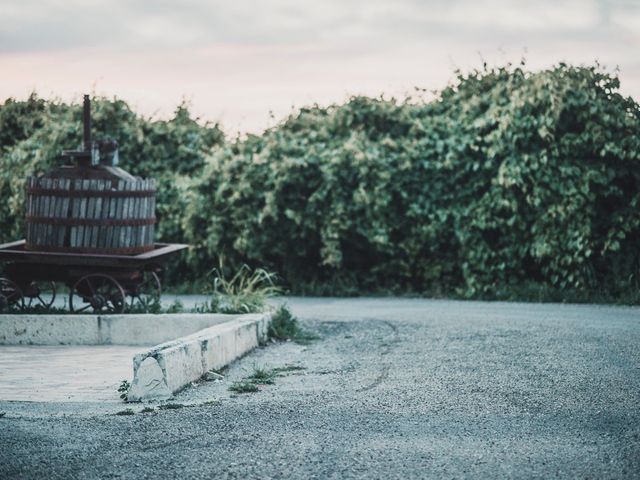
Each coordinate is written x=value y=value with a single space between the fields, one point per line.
x=238 y=60
x=527 y=16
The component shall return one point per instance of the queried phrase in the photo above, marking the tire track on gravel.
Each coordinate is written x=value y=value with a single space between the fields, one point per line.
x=386 y=347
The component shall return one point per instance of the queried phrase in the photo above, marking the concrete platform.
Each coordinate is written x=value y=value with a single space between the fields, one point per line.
x=98 y=352
x=64 y=373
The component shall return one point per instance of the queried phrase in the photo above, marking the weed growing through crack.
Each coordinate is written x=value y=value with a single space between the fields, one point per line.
x=146 y=304
x=142 y=305
x=259 y=376
x=128 y=411
x=243 y=386
x=123 y=389
x=152 y=304
x=262 y=376
x=171 y=406
x=175 y=307
x=284 y=326
x=34 y=310
x=246 y=291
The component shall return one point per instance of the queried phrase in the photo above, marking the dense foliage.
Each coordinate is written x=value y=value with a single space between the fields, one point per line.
x=506 y=178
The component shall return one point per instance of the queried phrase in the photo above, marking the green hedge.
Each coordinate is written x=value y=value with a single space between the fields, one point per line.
x=507 y=178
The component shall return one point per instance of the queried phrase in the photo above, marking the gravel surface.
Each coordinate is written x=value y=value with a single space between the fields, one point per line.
x=392 y=389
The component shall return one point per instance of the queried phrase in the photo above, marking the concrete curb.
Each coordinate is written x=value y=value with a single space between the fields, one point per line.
x=126 y=329
x=165 y=369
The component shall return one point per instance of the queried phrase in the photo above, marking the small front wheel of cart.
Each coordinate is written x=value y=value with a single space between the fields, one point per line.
x=97 y=293
x=40 y=294
x=146 y=291
x=10 y=295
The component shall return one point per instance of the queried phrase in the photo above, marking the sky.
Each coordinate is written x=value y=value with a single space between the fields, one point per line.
x=247 y=63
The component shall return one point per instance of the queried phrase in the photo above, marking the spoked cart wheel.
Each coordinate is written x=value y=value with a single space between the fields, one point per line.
x=145 y=291
x=97 y=293
x=10 y=294
x=40 y=294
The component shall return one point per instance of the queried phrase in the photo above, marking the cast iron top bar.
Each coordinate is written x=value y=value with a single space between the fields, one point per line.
x=83 y=157
x=86 y=120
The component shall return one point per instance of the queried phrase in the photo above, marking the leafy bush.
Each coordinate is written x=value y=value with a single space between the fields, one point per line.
x=506 y=180
x=506 y=177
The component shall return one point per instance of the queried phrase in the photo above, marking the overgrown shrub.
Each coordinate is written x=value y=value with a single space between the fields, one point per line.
x=507 y=179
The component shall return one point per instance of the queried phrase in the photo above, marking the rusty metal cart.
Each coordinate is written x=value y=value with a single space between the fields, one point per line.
x=97 y=282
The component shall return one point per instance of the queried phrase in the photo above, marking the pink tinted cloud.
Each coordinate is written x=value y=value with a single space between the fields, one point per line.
x=236 y=72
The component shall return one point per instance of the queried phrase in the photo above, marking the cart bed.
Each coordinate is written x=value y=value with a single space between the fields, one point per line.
x=16 y=252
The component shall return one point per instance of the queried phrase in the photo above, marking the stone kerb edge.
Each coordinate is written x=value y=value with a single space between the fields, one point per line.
x=123 y=329
x=165 y=369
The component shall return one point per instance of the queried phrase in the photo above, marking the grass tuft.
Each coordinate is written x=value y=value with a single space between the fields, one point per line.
x=259 y=376
x=175 y=307
x=142 y=305
x=123 y=389
x=35 y=310
x=284 y=326
x=262 y=376
x=171 y=406
x=243 y=386
x=246 y=291
x=128 y=411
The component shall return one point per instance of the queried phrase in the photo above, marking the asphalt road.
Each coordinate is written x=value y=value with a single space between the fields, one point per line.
x=393 y=389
